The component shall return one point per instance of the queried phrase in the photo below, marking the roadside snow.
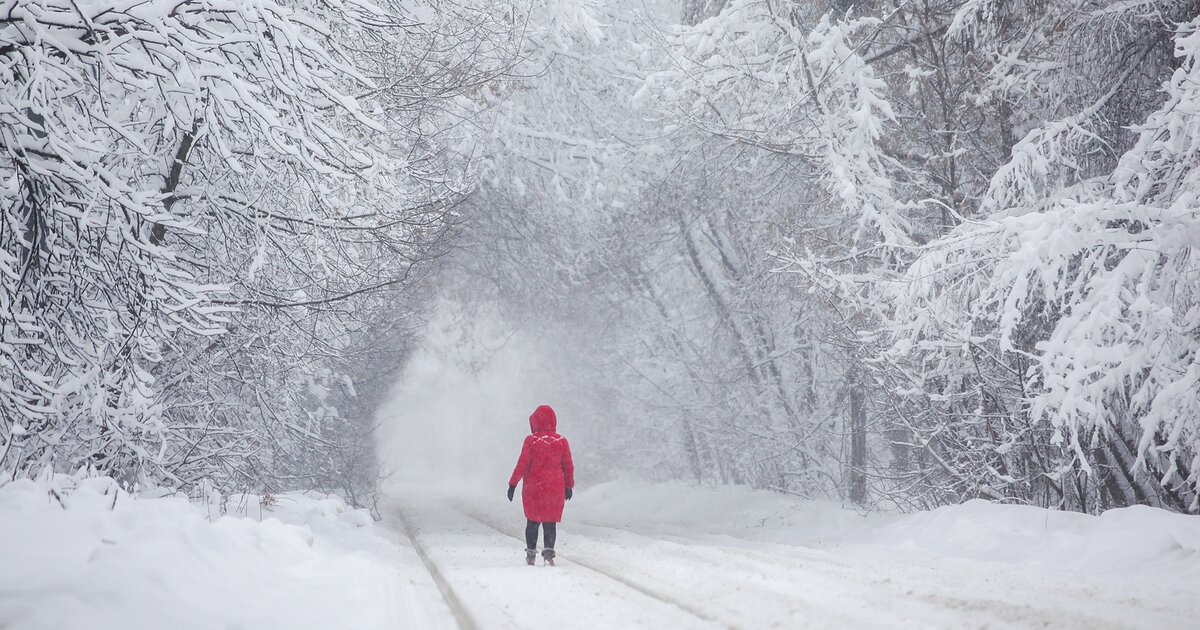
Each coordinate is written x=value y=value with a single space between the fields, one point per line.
x=1134 y=544
x=80 y=553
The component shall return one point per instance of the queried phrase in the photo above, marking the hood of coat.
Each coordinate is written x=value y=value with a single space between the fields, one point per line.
x=543 y=420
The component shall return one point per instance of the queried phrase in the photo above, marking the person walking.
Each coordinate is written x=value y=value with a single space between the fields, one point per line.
x=549 y=476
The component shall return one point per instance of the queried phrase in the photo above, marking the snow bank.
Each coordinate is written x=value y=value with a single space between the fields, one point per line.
x=80 y=553
x=1122 y=542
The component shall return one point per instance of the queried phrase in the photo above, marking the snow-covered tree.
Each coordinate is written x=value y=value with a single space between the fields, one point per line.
x=892 y=137
x=1085 y=288
x=209 y=208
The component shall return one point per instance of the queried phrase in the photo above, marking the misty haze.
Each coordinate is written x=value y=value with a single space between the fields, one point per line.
x=559 y=314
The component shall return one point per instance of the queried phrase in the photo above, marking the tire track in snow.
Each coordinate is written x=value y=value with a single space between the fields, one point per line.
x=889 y=586
x=657 y=596
x=461 y=616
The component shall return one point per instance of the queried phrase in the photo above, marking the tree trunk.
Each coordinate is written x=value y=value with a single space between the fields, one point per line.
x=858 y=438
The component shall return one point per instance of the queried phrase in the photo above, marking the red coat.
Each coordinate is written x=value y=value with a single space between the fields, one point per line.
x=545 y=465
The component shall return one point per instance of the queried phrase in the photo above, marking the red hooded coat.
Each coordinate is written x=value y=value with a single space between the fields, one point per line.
x=545 y=465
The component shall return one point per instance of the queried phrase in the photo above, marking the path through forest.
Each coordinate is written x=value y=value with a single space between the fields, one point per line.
x=669 y=577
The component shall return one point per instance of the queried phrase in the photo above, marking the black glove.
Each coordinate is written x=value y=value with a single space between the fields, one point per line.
x=511 y=490
x=569 y=493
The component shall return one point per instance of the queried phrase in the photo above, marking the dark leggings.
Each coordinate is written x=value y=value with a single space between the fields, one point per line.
x=531 y=532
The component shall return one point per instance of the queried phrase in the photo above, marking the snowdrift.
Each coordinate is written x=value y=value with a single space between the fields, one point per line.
x=80 y=553
x=1126 y=543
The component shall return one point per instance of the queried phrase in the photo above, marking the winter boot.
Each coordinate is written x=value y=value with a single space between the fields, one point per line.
x=530 y=554
x=548 y=554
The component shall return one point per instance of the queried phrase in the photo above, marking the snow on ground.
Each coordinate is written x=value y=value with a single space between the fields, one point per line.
x=1134 y=543
x=1134 y=565
x=736 y=558
x=79 y=553
x=486 y=567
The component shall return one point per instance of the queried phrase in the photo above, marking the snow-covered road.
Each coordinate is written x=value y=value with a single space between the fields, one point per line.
x=663 y=577
x=76 y=552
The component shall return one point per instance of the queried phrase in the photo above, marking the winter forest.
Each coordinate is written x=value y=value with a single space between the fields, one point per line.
x=889 y=254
